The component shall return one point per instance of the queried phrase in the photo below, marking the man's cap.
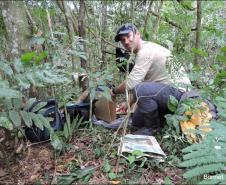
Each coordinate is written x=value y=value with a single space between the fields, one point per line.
x=125 y=29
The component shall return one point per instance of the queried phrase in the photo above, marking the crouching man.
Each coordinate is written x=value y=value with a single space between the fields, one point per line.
x=152 y=105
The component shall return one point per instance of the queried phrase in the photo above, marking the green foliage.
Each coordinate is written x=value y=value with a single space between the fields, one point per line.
x=76 y=175
x=208 y=157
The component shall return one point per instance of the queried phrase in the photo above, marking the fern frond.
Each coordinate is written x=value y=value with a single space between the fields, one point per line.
x=196 y=146
x=205 y=169
x=203 y=160
x=198 y=153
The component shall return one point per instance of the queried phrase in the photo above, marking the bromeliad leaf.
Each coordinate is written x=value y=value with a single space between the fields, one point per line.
x=26 y=117
x=15 y=118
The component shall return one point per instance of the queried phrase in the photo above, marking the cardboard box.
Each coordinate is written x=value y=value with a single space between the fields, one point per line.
x=105 y=109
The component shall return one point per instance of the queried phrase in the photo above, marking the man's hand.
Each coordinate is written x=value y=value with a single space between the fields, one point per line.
x=123 y=107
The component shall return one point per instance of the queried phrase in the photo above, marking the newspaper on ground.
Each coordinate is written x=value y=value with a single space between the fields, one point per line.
x=148 y=145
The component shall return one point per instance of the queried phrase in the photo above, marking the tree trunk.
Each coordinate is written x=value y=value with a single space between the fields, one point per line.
x=198 y=31
x=147 y=18
x=69 y=25
x=103 y=29
x=81 y=29
x=156 y=25
x=17 y=27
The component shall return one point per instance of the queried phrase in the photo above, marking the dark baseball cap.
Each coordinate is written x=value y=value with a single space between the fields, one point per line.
x=125 y=29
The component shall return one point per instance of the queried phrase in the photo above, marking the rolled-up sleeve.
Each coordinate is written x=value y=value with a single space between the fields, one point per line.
x=139 y=71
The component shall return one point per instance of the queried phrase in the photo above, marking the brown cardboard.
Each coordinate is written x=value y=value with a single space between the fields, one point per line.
x=105 y=109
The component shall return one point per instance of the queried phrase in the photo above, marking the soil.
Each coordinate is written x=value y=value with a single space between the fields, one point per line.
x=39 y=164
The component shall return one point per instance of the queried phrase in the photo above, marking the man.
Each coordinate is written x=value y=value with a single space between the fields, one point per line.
x=151 y=61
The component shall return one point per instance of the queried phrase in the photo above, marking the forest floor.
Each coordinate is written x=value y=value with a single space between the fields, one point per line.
x=83 y=161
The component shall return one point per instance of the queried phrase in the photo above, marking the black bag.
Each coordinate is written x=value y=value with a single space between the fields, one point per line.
x=81 y=110
x=34 y=134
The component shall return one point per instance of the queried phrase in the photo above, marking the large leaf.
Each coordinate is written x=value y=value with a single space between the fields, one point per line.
x=199 y=52
x=37 y=121
x=6 y=123
x=7 y=102
x=29 y=103
x=27 y=57
x=6 y=68
x=39 y=106
x=40 y=57
x=17 y=103
x=18 y=66
x=15 y=117
x=9 y=93
x=27 y=118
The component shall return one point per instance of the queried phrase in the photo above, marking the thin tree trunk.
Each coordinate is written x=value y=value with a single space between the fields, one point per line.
x=49 y=23
x=155 y=27
x=103 y=29
x=147 y=17
x=69 y=25
x=198 y=31
x=81 y=29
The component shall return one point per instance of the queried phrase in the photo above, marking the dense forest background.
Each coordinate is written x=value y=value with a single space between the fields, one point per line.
x=46 y=44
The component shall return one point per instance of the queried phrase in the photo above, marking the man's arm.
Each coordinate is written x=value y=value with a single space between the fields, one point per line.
x=121 y=88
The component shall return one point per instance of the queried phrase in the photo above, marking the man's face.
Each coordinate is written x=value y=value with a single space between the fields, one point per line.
x=130 y=41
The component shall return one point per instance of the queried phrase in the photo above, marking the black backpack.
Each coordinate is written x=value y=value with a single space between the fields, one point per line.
x=122 y=64
x=34 y=134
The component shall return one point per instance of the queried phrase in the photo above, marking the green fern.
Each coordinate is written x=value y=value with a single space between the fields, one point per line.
x=207 y=159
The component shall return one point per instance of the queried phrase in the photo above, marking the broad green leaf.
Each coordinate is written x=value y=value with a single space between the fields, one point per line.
x=6 y=123
x=39 y=40
x=30 y=102
x=172 y=104
x=27 y=118
x=131 y=159
x=17 y=102
x=30 y=78
x=39 y=106
x=112 y=175
x=27 y=57
x=223 y=49
x=40 y=57
x=137 y=153
x=22 y=81
x=221 y=58
x=200 y=52
x=18 y=66
x=46 y=123
x=37 y=121
x=106 y=167
x=9 y=93
x=15 y=118
x=8 y=104
x=56 y=143
x=4 y=83
x=6 y=68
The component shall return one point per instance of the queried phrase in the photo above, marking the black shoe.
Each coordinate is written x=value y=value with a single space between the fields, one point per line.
x=143 y=131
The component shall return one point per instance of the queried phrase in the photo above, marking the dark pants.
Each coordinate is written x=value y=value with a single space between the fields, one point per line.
x=152 y=100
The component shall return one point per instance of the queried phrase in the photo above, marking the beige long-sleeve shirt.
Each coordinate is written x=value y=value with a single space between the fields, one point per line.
x=151 y=65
